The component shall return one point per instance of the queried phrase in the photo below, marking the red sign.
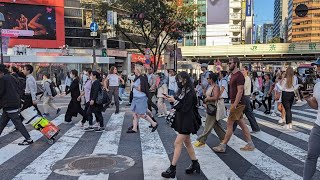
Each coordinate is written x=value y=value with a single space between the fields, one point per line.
x=140 y=58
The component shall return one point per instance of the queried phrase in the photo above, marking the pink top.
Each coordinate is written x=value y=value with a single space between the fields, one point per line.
x=87 y=90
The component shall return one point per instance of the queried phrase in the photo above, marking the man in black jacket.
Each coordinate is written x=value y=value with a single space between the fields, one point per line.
x=10 y=103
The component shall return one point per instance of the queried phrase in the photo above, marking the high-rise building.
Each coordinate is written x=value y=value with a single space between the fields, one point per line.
x=279 y=21
x=304 y=29
x=222 y=22
x=258 y=34
x=267 y=32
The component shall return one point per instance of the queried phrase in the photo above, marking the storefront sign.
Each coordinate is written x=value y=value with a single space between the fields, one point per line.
x=248 y=7
x=117 y=53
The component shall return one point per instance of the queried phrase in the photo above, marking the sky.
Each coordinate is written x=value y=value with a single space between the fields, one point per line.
x=263 y=11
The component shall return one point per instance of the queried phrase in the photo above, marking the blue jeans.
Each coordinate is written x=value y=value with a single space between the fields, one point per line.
x=121 y=91
x=171 y=92
x=313 y=153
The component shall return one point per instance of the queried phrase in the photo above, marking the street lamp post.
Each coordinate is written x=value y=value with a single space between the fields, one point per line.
x=1 y=21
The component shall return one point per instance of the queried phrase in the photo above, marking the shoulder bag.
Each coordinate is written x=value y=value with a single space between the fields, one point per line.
x=211 y=108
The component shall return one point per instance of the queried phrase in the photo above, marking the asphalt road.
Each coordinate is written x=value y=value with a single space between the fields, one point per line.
x=279 y=154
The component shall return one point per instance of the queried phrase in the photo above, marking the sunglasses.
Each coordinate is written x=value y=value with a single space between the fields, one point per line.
x=230 y=63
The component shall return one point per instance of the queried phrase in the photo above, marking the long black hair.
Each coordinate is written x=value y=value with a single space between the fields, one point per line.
x=185 y=76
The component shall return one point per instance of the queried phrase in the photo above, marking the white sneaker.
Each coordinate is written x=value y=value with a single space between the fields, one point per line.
x=274 y=115
x=160 y=115
x=290 y=126
x=280 y=120
x=286 y=126
x=201 y=107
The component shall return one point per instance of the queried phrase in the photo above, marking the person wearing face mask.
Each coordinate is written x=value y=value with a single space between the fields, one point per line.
x=187 y=121
x=74 y=106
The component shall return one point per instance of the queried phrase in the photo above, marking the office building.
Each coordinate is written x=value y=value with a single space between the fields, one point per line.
x=304 y=29
x=222 y=22
x=280 y=15
x=267 y=32
x=258 y=34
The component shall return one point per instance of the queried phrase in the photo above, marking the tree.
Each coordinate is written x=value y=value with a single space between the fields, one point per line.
x=275 y=40
x=157 y=22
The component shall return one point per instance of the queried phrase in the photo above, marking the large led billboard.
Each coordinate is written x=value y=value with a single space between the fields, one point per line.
x=217 y=12
x=37 y=23
x=26 y=21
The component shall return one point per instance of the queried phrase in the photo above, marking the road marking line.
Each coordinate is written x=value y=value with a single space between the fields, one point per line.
x=154 y=156
x=217 y=170
x=108 y=143
x=40 y=168
x=282 y=145
x=296 y=123
x=263 y=162
x=306 y=113
x=13 y=148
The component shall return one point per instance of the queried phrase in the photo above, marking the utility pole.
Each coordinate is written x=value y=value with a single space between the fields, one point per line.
x=94 y=67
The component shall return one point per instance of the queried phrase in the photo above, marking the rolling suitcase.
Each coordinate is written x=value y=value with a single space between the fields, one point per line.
x=47 y=128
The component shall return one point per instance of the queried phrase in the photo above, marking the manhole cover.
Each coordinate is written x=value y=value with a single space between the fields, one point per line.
x=92 y=165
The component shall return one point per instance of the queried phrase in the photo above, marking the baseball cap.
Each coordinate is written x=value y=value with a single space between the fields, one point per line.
x=317 y=63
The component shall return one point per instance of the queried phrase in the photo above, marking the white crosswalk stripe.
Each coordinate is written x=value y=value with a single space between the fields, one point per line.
x=13 y=148
x=154 y=153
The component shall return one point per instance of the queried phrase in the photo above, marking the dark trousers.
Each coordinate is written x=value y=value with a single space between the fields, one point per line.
x=28 y=103
x=131 y=97
x=254 y=103
x=150 y=103
x=89 y=116
x=15 y=118
x=69 y=115
x=114 y=91
x=97 y=113
x=250 y=115
x=287 y=101
x=269 y=99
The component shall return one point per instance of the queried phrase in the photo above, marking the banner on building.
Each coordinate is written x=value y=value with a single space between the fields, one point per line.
x=218 y=12
x=5 y=44
x=248 y=7
x=110 y=18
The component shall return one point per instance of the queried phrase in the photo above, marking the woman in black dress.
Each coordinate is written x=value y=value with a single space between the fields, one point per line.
x=187 y=121
x=74 y=106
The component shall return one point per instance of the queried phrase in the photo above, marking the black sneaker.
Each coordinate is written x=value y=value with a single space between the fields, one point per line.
x=89 y=129
x=100 y=129
x=58 y=110
x=26 y=142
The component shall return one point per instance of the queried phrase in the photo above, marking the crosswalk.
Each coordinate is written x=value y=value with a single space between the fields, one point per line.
x=280 y=153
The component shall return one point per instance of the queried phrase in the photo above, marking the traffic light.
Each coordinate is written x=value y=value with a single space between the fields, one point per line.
x=104 y=52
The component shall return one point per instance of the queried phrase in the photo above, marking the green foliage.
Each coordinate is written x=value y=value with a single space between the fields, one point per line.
x=160 y=22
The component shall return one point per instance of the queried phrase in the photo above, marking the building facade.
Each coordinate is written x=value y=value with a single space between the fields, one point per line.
x=258 y=34
x=280 y=19
x=222 y=22
x=267 y=32
x=304 y=29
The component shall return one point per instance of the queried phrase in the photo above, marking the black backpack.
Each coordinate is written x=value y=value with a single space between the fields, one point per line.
x=21 y=85
x=52 y=89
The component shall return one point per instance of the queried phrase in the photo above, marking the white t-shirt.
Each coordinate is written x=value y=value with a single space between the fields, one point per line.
x=290 y=89
x=113 y=80
x=316 y=94
x=173 y=83
x=277 y=88
x=224 y=83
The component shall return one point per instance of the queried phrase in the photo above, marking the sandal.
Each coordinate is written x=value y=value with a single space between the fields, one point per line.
x=26 y=142
x=131 y=131
x=247 y=148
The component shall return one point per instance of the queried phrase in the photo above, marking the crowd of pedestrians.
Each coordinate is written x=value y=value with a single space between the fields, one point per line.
x=154 y=91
